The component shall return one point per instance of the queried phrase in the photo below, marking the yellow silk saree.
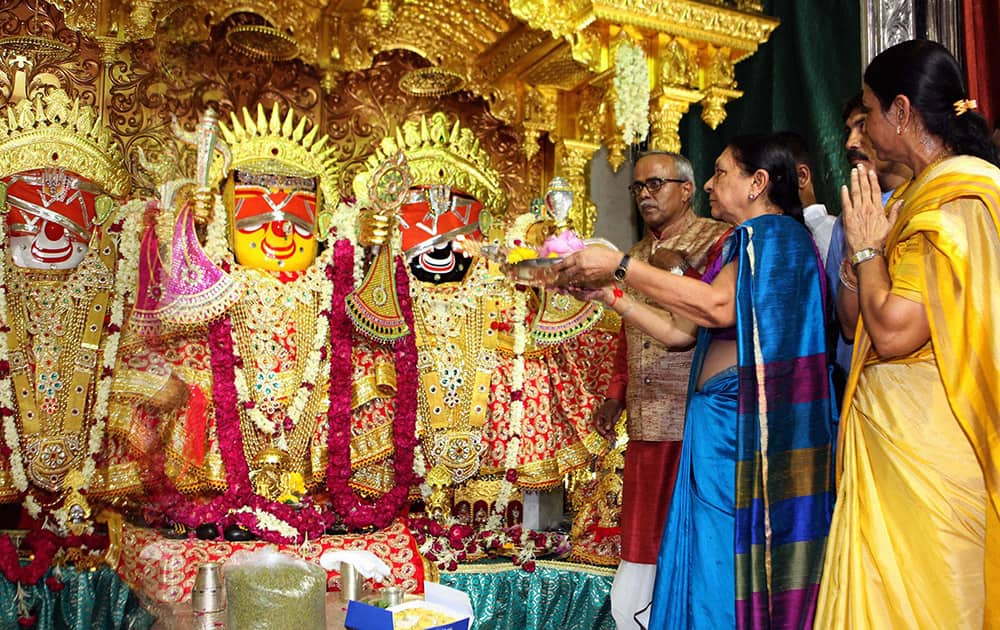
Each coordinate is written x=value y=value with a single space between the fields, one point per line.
x=915 y=538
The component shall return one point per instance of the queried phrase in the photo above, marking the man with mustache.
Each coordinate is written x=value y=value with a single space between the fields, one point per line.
x=651 y=381
x=890 y=176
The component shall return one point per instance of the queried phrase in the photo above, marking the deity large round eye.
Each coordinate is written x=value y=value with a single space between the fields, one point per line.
x=302 y=231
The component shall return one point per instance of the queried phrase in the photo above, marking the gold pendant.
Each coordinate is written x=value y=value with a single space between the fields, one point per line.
x=459 y=452
x=50 y=458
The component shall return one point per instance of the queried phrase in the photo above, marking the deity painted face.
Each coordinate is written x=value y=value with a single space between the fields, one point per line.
x=273 y=221
x=50 y=218
x=430 y=219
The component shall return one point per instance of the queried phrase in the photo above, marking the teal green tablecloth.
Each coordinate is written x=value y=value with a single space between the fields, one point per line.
x=97 y=600
x=556 y=596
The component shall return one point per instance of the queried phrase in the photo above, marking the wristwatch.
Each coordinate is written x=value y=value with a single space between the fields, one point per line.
x=864 y=255
x=619 y=273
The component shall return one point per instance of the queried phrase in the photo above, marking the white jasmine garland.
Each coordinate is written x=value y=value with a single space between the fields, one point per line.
x=516 y=419
x=344 y=224
x=314 y=282
x=269 y=521
x=216 y=237
x=31 y=505
x=126 y=280
x=420 y=469
x=631 y=83
x=11 y=437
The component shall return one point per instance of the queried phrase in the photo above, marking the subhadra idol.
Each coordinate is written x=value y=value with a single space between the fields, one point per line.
x=498 y=412
x=258 y=301
x=66 y=286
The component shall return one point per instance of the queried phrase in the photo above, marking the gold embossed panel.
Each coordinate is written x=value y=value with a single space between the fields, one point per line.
x=139 y=62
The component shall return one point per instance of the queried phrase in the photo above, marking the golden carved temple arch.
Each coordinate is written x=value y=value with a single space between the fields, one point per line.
x=535 y=79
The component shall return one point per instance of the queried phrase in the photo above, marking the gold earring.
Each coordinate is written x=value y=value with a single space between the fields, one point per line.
x=899 y=129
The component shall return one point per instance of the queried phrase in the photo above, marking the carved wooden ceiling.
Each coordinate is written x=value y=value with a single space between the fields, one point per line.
x=536 y=74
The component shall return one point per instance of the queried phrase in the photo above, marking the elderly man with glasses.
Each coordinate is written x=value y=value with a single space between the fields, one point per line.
x=650 y=381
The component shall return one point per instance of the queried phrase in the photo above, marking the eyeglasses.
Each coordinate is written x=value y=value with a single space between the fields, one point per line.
x=653 y=185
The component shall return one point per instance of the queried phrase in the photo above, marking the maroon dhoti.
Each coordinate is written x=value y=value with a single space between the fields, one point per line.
x=648 y=485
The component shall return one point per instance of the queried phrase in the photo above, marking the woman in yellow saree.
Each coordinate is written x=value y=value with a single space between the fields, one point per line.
x=915 y=538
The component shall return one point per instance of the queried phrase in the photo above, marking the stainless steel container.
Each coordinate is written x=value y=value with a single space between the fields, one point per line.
x=393 y=596
x=209 y=593
x=350 y=581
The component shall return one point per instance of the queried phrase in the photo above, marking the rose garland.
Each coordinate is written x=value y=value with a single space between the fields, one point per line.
x=270 y=521
x=307 y=522
x=448 y=545
x=353 y=511
x=44 y=545
x=276 y=522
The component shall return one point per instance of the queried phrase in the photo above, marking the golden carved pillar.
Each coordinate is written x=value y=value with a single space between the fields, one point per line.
x=713 y=106
x=720 y=86
x=572 y=158
x=541 y=112
x=669 y=106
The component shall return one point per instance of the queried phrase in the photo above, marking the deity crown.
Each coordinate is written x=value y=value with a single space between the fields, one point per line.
x=439 y=153
x=278 y=146
x=53 y=131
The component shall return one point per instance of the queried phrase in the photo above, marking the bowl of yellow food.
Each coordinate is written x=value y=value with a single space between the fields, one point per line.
x=420 y=615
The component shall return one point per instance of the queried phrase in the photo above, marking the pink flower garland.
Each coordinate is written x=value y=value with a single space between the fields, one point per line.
x=309 y=521
x=355 y=512
x=44 y=544
x=447 y=546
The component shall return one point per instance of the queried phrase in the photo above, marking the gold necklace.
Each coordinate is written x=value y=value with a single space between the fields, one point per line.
x=274 y=326
x=56 y=324
x=945 y=154
x=456 y=359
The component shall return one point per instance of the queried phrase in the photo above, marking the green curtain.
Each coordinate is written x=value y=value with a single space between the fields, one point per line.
x=92 y=600
x=547 y=598
x=797 y=80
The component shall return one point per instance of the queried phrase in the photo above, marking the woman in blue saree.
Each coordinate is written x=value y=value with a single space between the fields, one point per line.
x=743 y=543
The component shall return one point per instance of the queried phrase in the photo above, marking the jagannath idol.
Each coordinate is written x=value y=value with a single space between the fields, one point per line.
x=495 y=402
x=258 y=307
x=67 y=282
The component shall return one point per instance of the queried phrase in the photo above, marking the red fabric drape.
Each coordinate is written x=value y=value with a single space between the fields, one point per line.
x=981 y=24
